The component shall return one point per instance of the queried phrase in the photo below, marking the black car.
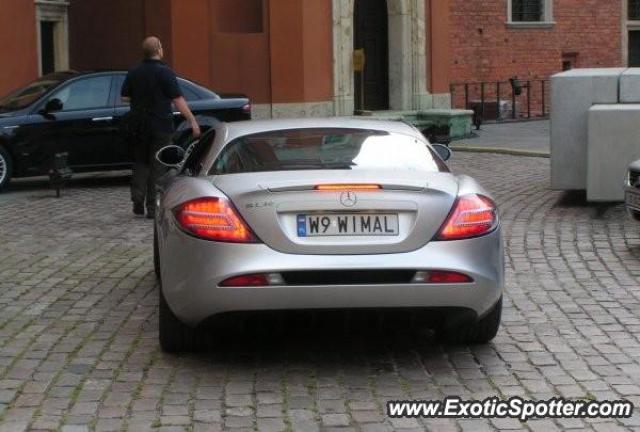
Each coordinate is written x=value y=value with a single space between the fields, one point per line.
x=80 y=113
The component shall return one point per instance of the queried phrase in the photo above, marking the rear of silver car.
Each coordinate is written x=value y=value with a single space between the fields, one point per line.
x=370 y=235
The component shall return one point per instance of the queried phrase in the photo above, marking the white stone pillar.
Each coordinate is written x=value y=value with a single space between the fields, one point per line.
x=343 y=93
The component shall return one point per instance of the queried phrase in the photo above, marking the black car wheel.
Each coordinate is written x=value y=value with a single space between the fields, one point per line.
x=175 y=336
x=6 y=167
x=481 y=331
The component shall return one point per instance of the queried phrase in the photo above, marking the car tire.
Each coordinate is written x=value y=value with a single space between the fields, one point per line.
x=156 y=253
x=175 y=336
x=6 y=167
x=480 y=331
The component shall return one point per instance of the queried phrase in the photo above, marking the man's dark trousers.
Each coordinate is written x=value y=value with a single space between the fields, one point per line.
x=146 y=169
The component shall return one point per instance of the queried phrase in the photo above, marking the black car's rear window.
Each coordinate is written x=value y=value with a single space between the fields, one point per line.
x=326 y=148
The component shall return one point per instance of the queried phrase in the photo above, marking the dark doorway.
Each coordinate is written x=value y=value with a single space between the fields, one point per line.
x=372 y=35
x=634 y=48
x=47 y=47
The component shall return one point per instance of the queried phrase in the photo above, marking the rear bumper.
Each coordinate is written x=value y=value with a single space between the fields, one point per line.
x=193 y=268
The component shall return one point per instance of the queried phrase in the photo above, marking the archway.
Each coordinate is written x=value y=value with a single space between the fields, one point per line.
x=371 y=87
x=407 y=74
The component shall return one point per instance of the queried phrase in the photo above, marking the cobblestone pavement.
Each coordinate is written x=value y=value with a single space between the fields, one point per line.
x=78 y=318
x=522 y=135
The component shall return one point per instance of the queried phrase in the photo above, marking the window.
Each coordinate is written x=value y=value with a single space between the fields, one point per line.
x=233 y=16
x=47 y=47
x=530 y=12
x=118 y=80
x=53 y=35
x=25 y=96
x=196 y=153
x=527 y=10
x=634 y=48
x=325 y=149
x=188 y=91
x=85 y=94
x=569 y=60
x=634 y=10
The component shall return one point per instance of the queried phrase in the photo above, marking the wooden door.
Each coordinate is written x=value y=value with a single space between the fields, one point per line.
x=372 y=35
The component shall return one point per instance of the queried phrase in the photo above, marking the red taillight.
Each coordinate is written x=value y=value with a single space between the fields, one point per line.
x=472 y=216
x=214 y=219
x=441 y=276
x=247 y=109
x=251 y=280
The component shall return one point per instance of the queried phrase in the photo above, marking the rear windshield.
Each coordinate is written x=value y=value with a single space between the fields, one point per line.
x=313 y=149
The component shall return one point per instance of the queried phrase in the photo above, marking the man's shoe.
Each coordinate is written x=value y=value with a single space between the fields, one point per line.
x=138 y=209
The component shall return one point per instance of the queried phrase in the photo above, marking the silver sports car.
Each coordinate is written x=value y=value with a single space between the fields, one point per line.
x=316 y=214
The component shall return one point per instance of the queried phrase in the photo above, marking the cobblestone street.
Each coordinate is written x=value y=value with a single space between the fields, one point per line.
x=78 y=325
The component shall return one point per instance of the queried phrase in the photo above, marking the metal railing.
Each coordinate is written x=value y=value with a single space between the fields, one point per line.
x=503 y=100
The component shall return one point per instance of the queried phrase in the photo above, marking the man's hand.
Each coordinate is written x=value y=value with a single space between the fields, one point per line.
x=182 y=106
x=195 y=129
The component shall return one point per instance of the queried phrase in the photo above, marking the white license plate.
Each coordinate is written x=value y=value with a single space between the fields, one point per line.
x=347 y=224
x=632 y=199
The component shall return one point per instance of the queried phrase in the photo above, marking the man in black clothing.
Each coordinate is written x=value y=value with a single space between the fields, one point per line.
x=151 y=88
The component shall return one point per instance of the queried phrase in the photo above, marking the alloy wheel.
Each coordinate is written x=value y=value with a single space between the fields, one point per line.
x=3 y=169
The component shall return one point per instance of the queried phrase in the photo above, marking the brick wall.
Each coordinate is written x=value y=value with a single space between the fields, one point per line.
x=484 y=48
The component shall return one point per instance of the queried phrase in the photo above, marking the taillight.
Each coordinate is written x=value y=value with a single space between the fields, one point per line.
x=472 y=216
x=247 y=109
x=246 y=280
x=440 y=277
x=253 y=280
x=213 y=219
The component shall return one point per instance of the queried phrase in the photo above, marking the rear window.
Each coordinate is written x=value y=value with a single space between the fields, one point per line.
x=189 y=93
x=313 y=149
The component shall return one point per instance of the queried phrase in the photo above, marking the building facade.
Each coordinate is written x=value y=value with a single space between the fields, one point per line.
x=494 y=40
x=295 y=57
x=291 y=57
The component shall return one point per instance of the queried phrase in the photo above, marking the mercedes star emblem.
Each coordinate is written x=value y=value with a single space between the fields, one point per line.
x=348 y=198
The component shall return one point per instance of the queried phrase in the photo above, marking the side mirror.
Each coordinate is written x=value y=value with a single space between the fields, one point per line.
x=171 y=156
x=53 y=105
x=443 y=151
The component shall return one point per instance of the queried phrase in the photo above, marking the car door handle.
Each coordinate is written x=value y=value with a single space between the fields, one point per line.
x=102 y=119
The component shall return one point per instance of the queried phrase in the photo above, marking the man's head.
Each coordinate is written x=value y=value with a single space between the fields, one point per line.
x=152 y=48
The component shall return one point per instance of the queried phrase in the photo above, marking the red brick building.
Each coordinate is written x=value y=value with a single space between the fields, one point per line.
x=494 y=40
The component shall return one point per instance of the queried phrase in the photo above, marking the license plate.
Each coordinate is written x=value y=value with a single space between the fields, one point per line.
x=632 y=199
x=347 y=224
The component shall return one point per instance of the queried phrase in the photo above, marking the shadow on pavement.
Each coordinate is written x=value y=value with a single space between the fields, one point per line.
x=78 y=181
x=305 y=339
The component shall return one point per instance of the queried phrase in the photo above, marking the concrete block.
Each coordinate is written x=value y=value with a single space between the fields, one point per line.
x=630 y=86
x=572 y=94
x=614 y=142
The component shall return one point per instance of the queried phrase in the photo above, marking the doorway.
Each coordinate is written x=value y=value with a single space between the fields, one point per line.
x=634 y=48
x=47 y=47
x=371 y=34
x=53 y=36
